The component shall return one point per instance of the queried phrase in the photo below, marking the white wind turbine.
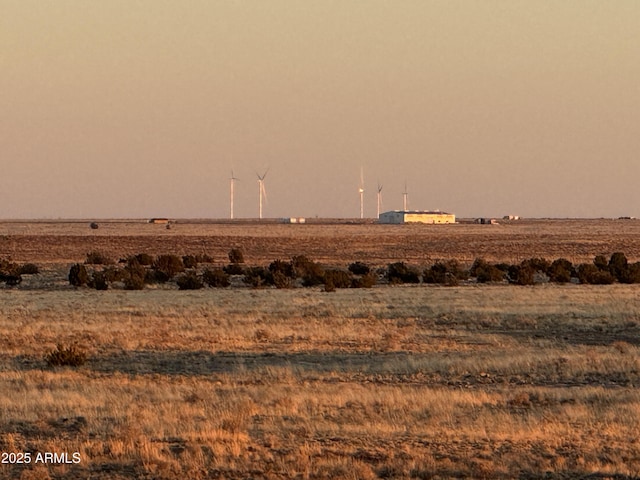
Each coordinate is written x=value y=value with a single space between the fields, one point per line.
x=361 y=192
x=379 y=199
x=405 y=194
x=262 y=193
x=232 y=181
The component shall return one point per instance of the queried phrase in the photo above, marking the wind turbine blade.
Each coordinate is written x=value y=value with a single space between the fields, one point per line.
x=263 y=192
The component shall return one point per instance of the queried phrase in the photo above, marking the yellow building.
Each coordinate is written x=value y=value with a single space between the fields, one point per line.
x=416 y=216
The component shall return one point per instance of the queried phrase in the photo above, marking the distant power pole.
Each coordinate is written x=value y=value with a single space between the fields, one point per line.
x=361 y=192
x=232 y=182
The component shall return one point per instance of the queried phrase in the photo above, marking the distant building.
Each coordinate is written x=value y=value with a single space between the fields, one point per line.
x=159 y=220
x=486 y=221
x=416 y=216
x=511 y=217
x=294 y=220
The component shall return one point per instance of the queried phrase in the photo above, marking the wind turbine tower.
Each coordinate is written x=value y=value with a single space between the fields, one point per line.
x=405 y=194
x=361 y=192
x=232 y=181
x=379 y=199
x=262 y=193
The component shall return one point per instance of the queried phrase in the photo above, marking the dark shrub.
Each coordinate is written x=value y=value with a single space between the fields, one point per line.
x=94 y=226
x=448 y=272
x=99 y=281
x=189 y=261
x=435 y=274
x=216 y=278
x=633 y=273
x=338 y=278
x=521 y=274
x=281 y=267
x=359 y=268
x=204 y=258
x=144 y=259
x=618 y=266
x=11 y=279
x=301 y=265
x=167 y=267
x=98 y=258
x=486 y=272
x=234 y=269
x=603 y=278
x=189 y=281
x=601 y=263
x=134 y=275
x=10 y=273
x=477 y=265
x=365 y=281
x=29 y=269
x=400 y=273
x=311 y=272
x=280 y=280
x=78 y=275
x=134 y=282
x=589 y=273
x=114 y=274
x=256 y=276
x=65 y=357
x=537 y=264
x=586 y=272
x=329 y=286
x=490 y=273
x=236 y=255
x=151 y=277
x=560 y=271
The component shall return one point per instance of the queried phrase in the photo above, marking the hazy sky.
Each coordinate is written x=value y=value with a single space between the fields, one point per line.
x=126 y=108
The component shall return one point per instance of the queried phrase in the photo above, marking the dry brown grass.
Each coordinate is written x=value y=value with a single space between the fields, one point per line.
x=392 y=382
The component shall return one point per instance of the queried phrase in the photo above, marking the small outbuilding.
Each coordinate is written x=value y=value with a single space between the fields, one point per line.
x=416 y=216
x=159 y=221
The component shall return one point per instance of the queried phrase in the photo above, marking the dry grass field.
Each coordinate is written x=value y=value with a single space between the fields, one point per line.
x=424 y=382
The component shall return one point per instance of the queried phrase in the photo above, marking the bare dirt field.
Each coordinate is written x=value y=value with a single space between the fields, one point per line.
x=408 y=382
x=576 y=240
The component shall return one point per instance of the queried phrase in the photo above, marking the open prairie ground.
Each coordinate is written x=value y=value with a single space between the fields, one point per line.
x=576 y=240
x=425 y=382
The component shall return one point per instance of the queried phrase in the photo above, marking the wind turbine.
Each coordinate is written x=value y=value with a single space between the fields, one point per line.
x=379 y=198
x=232 y=181
x=361 y=191
x=404 y=198
x=262 y=193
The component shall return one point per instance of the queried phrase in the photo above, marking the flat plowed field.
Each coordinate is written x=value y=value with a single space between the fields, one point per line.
x=576 y=240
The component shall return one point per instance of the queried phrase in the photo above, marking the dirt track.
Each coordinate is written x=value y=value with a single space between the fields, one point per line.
x=576 y=240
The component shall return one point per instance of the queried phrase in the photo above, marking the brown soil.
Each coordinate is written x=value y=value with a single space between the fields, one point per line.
x=576 y=240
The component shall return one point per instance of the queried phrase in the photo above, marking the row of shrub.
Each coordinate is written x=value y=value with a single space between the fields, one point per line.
x=197 y=271
x=11 y=273
x=134 y=274
x=139 y=270
x=300 y=270
x=536 y=270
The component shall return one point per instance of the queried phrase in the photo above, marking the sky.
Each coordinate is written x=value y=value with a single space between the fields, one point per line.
x=143 y=108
